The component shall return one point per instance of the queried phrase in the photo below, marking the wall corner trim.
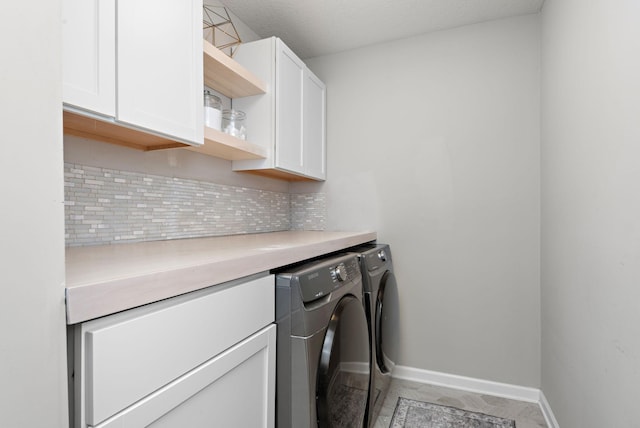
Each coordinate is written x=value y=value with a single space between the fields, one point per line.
x=514 y=392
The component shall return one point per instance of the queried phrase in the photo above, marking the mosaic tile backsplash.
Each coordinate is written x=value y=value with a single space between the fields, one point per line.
x=308 y=211
x=104 y=206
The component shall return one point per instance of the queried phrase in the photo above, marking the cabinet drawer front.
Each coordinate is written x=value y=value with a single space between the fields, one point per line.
x=130 y=355
x=236 y=388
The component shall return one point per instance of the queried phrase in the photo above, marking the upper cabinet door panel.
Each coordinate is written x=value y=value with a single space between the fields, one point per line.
x=89 y=55
x=289 y=107
x=315 y=142
x=160 y=67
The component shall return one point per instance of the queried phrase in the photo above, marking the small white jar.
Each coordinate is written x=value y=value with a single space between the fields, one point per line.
x=212 y=111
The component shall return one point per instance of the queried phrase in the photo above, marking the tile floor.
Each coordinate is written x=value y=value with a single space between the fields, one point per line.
x=526 y=415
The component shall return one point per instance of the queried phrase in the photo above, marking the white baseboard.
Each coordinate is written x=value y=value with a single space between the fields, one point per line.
x=547 y=412
x=505 y=390
x=353 y=367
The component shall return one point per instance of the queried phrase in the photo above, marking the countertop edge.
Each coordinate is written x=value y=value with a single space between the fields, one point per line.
x=85 y=302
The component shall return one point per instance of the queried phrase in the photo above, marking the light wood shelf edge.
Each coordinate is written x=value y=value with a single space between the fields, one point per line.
x=225 y=146
x=114 y=133
x=279 y=174
x=227 y=76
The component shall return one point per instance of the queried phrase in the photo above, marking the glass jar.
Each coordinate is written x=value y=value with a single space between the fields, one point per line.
x=233 y=123
x=212 y=111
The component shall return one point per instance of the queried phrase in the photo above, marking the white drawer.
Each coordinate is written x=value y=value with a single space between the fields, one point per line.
x=128 y=356
x=234 y=389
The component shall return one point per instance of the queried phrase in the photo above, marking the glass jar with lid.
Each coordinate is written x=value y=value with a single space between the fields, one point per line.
x=233 y=123
x=212 y=110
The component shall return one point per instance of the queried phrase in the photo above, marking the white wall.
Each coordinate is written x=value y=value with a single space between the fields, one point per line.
x=433 y=141
x=32 y=323
x=591 y=211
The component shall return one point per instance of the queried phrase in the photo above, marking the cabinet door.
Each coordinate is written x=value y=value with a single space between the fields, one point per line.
x=160 y=67
x=89 y=55
x=289 y=109
x=234 y=389
x=314 y=125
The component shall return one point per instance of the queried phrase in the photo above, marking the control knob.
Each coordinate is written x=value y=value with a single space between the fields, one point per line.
x=382 y=255
x=339 y=273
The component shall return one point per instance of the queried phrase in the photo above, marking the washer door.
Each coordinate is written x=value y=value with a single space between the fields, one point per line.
x=387 y=323
x=343 y=373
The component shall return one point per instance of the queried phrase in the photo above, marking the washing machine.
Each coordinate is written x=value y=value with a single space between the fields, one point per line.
x=382 y=310
x=323 y=350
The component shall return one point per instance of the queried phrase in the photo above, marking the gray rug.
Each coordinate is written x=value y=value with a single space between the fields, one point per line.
x=347 y=405
x=419 y=414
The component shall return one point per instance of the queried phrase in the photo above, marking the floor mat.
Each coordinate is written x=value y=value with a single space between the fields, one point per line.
x=420 y=414
x=348 y=404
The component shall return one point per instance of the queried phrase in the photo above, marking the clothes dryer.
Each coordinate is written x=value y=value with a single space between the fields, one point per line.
x=382 y=309
x=323 y=349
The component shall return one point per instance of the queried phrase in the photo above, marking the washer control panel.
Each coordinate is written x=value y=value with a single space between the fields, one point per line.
x=324 y=277
x=339 y=273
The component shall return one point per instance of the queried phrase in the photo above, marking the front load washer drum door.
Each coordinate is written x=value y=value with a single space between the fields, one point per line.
x=387 y=323
x=343 y=373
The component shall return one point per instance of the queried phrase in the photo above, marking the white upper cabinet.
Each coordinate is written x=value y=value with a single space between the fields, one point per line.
x=314 y=119
x=289 y=109
x=160 y=66
x=289 y=120
x=138 y=62
x=89 y=55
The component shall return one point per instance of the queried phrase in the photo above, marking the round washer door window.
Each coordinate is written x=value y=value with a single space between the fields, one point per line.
x=343 y=373
x=387 y=323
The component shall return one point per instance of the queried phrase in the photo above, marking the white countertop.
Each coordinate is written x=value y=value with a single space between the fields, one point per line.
x=106 y=279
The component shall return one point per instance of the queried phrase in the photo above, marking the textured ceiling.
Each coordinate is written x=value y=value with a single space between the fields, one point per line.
x=320 y=27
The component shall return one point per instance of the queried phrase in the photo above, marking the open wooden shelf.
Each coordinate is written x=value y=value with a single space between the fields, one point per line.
x=228 y=77
x=225 y=146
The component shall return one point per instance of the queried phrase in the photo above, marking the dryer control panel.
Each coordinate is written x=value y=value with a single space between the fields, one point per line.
x=380 y=257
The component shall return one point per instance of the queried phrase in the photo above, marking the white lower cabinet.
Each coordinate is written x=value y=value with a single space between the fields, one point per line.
x=232 y=389
x=202 y=359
